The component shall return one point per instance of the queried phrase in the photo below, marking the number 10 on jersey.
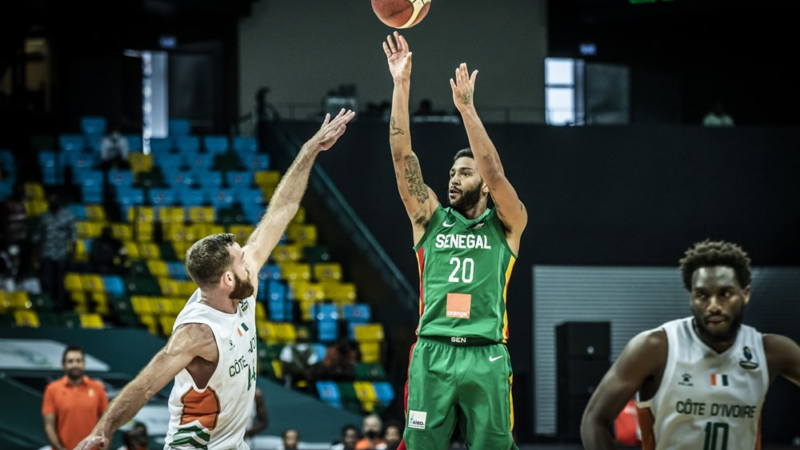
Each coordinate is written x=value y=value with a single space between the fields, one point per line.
x=715 y=430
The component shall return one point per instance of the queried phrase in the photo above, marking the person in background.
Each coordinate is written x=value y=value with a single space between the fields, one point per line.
x=72 y=404
x=299 y=361
x=105 y=255
x=259 y=421
x=371 y=429
x=56 y=238
x=291 y=438
x=113 y=151
x=349 y=438
x=135 y=438
x=392 y=434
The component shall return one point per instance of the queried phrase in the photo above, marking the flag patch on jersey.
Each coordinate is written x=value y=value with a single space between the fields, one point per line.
x=242 y=327
x=719 y=379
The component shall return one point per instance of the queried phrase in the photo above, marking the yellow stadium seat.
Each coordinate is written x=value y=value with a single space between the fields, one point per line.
x=19 y=300
x=4 y=302
x=82 y=228
x=35 y=208
x=340 y=293
x=34 y=191
x=328 y=272
x=172 y=215
x=286 y=332
x=73 y=282
x=139 y=214
x=144 y=231
x=140 y=162
x=186 y=288
x=267 y=192
x=267 y=178
x=295 y=271
x=157 y=268
x=214 y=229
x=180 y=249
x=92 y=282
x=305 y=310
x=260 y=313
x=161 y=306
x=100 y=300
x=80 y=300
x=242 y=232
x=81 y=250
x=372 y=332
x=122 y=231
x=302 y=234
x=300 y=217
x=194 y=232
x=202 y=214
x=177 y=304
x=289 y=252
x=175 y=232
x=149 y=250
x=25 y=318
x=277 y=367
x=95 y=213
x=370 y=352
x=91 y=321
x=169 y=287
x=166 y=322
x=365 y=391
x=141 y=305
x=307 y=292
x=268 y=333
x=150 y=322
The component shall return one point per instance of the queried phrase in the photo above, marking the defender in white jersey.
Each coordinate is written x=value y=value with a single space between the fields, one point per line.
x=212 y=351
x=701 y=380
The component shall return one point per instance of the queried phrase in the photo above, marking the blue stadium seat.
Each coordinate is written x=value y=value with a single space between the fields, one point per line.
x=161 y=197
x=208 y=178
x=114 y=285
x=134 y=142
x=52 y=171
x=276 y=291
x=120 y=177
x=159 y=146
x=320 y=350
x=127 y=196
x=87 y=177
x=269 y=272
x=178 y=178
x=78 y=160
x=256 y=161
x=324 y=312
x=248 y=196
x=253 y=213
x=187 y=144
x=277 y=312
x=71 y=142
x=359 y=313
x=92 y=193
x=327 y=331
x=220 y=198
x=92 y=142
x=200 y=161
x=47 y=159
x=179 y=127
x=169 y=161
x=177 y=270
x=93 y=125
x=215 y=144
x=384 y=392
x=239 y=178
x=329 y=393
x=245 y=144
x=192 y=197
x=78 y=210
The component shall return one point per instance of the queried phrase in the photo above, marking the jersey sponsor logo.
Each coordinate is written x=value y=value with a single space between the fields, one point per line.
x=719 y=380
x=458 y=305
x=416 y=419
x=231 y=345
x=447 y=225
x=494 y=358
x=462 y=241
x=244 y=305
x=686 y=380
x=747 y=363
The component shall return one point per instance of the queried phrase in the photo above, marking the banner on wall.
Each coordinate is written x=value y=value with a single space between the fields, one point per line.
x=40 y=354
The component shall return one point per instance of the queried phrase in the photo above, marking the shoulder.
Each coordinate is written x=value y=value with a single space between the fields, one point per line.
x=651 y=345
x=95 y=383
x=777 y=346
x=53 y=386
x=191 y=336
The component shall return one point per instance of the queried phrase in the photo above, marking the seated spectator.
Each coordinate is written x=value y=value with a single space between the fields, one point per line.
x=300 y=361
x=392 y=434
x=339 y=362
x=106 y=256
x=348 y=439
x=371 y=430
x=114 y=151
x=135 y=438
x=290 y=439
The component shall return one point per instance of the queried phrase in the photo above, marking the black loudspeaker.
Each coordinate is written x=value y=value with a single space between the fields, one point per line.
x=583 y=352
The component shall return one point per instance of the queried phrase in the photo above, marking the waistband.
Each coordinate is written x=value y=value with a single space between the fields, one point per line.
x=459 y=341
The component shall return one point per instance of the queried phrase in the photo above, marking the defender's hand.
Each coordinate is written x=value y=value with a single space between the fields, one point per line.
x=398 y=56
x=463 y=87
x=331 y=130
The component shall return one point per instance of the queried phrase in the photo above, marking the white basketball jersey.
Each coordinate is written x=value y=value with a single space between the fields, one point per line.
x=707 y=400
x=215 y=418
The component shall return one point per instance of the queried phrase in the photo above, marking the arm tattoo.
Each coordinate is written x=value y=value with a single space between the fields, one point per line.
x=395 y=130
x=466 y=97
x=414 y=179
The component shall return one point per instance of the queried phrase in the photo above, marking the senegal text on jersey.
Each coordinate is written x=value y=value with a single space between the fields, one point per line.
x=462 y=241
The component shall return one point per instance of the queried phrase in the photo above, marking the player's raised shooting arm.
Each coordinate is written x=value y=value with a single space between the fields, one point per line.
x=286 y=200
x=419 y=200
x=783 y=357
x=185 y=344
x=509 y=207
x=643 y=357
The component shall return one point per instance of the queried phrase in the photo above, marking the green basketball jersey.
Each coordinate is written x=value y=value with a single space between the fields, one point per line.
x=464 y=266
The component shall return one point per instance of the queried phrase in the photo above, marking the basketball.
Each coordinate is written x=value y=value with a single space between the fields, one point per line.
x=401 y=13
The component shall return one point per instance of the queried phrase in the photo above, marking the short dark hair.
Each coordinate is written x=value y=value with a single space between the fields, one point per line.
x=208 y=258
x=349 y=426
x=464 y=152
x=71 y=348
x=715 y=253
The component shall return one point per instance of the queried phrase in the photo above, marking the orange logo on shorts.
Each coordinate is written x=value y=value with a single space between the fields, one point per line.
x=458 y=305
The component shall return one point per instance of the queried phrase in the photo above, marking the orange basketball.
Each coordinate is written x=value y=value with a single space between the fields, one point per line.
x=401 y=13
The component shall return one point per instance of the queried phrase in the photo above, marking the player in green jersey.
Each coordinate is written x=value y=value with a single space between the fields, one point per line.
x=459 y=369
